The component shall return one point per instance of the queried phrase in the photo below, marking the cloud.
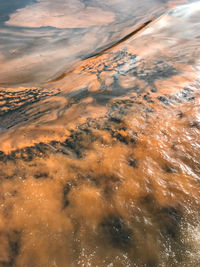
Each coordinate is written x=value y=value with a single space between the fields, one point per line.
x=60 y=14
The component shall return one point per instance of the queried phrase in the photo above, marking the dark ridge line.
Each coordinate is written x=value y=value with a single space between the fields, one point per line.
x=99 y=53
x=141 y=27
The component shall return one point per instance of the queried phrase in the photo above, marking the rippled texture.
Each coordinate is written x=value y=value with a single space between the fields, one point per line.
x=100 y=166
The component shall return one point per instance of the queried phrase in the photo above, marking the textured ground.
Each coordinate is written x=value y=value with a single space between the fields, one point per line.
x=101 y=167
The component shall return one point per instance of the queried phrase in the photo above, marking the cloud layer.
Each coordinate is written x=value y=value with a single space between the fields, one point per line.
x=60 y=14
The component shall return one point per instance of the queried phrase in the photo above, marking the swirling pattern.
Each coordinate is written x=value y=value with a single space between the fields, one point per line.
x=100 y=166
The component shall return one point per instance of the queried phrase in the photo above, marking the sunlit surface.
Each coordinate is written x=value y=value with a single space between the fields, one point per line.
x=99 y=134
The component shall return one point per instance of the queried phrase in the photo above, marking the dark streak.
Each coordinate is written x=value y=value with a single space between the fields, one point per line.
x=121 y=40
x=41 y=175
x=133 y=162
x=66 y=191
x=14 y=245
x=169 y=221
x=170 y=169
x=101 y=51
x=117 y=231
